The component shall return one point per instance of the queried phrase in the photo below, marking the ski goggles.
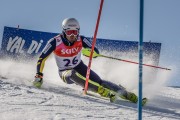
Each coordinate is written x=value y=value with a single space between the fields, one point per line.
x=70 y=32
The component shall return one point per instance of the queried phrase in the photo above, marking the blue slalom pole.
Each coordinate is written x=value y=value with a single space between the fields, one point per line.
x=140 y=59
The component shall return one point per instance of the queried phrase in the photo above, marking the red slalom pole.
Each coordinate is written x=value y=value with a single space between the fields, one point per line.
x=92 y=49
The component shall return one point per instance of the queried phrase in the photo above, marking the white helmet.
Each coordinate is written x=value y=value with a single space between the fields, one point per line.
x=70 y=24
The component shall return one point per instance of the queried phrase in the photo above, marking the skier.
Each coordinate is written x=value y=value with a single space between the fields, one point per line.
x=67 y=48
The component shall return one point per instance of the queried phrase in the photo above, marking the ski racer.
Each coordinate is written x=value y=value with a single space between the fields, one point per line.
x=67 y=49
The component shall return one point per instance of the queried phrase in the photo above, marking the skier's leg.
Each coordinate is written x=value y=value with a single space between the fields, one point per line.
x=93 y=85
x=94 y=80
x=71 y=76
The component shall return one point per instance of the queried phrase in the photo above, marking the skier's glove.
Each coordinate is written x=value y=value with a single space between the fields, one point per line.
x=87 y=52
x=38 y=81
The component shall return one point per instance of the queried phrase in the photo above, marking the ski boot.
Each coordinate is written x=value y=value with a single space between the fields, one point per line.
x=104 y=92
x=133 y=98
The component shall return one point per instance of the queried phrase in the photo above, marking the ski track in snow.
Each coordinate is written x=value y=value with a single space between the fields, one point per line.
x=55 y=102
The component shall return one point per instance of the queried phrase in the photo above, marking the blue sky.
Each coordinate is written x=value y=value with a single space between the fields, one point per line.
x=119 y=20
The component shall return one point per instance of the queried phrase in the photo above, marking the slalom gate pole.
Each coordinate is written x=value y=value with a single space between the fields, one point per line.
x=140 y=48
x=99 y=55
x=92 y=49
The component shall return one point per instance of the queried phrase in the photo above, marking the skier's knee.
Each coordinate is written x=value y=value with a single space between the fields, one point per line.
x=66 y=76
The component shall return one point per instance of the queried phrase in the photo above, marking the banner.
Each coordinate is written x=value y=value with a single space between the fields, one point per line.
x=23 y=43
x=27 y=44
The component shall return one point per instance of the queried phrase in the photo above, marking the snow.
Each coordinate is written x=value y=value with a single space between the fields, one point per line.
x=55 y=102
x=19 y=100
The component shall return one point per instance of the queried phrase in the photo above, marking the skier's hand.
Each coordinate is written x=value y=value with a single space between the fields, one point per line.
x=87 y=52
x=38 y=80
x=39 y=76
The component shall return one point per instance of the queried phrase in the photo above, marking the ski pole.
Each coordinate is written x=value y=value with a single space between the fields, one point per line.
x=99 y=55
x=93 y=44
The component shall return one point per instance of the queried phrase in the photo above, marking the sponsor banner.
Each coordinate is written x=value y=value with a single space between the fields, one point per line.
x=22 y=43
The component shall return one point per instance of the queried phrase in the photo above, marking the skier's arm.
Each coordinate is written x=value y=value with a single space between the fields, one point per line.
x=87 y=47
x=48 y=49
